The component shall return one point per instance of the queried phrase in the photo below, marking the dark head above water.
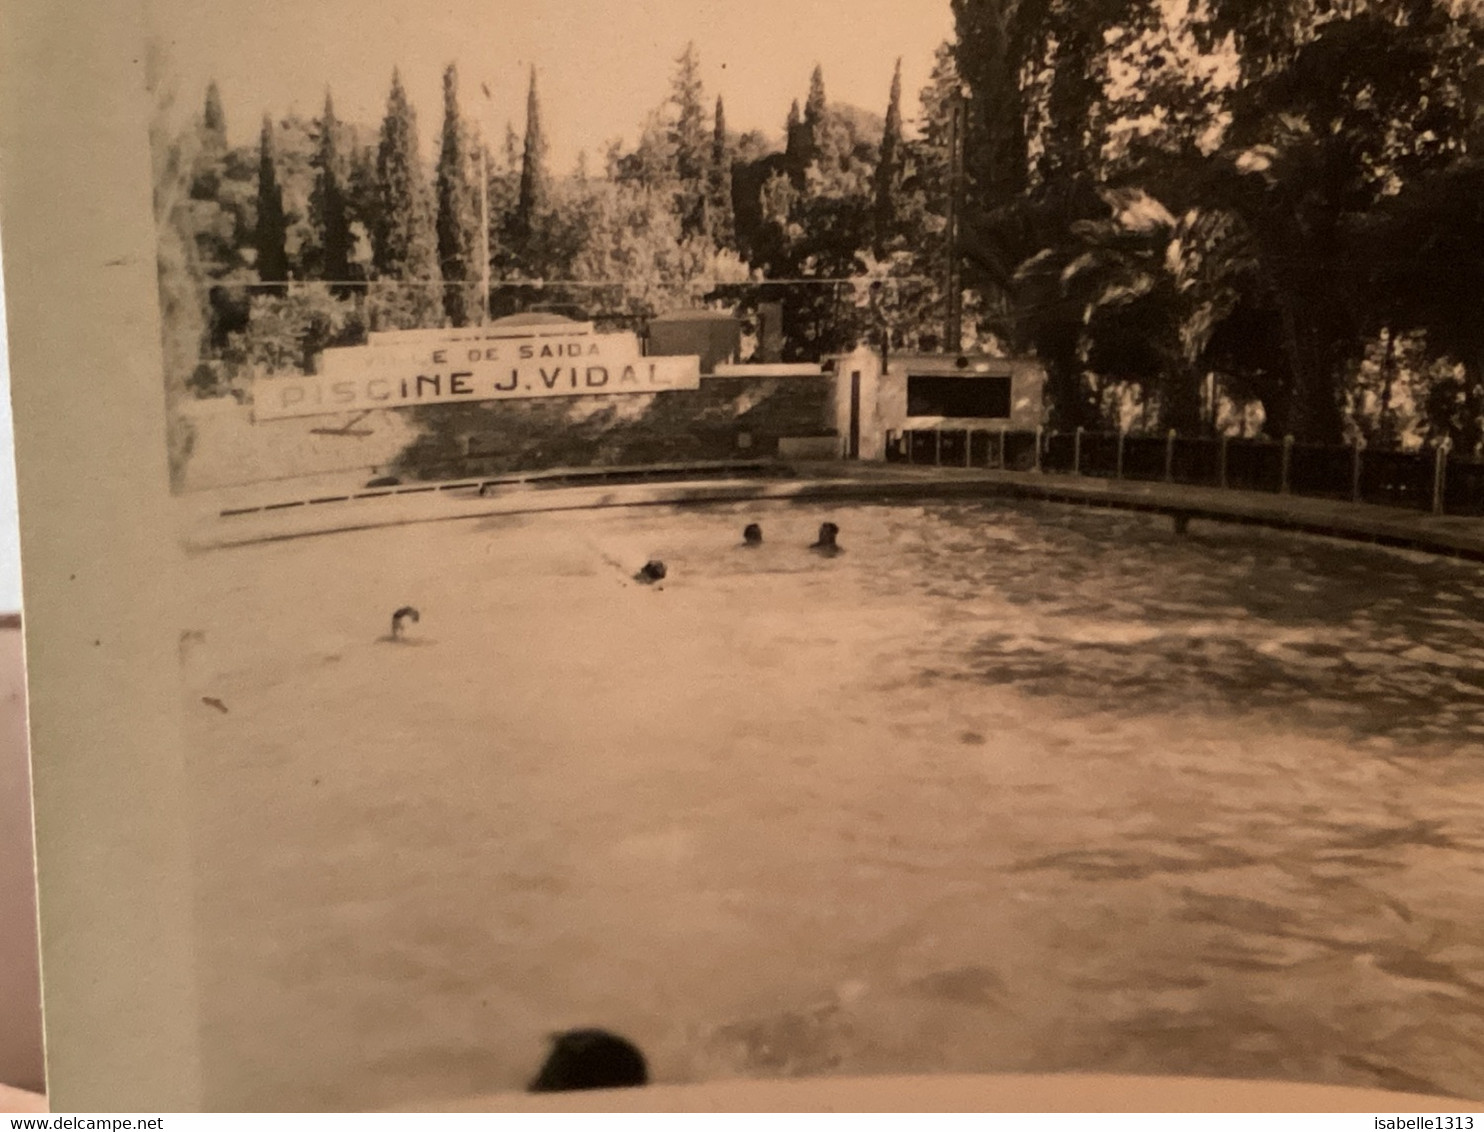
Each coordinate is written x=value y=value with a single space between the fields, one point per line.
x=753 y=535
x=653 y=571
x=826 y=542
x=590 y=1059
x=401 y=617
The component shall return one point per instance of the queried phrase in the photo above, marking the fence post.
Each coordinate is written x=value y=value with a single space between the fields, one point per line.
x=1039 y=430
x=1077 y=452
x=1287 y=464
x=1221 y=460
x=1440 y=474
x=908 y=436
x=968 y=448
x=1355 y=468
x=937 y=447
x=1003 y=432
x=1170 y=456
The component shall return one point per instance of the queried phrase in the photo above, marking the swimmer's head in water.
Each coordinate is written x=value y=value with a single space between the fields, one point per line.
x=827 y=533
x=653 y=571
x=590 y=1059
x=753 y=535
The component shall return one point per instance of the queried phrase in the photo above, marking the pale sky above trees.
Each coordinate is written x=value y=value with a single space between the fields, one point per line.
x=603 y=64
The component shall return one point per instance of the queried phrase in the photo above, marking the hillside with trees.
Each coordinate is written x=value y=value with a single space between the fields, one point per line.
x=1214 y=217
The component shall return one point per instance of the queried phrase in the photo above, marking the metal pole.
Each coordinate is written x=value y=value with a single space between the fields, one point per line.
x=1355 y=492
x=1077 y=452
x=1222 y=460
x=1170 y=456
x=1121 y=436
x=953 y=330
x=938 y=446
x=1002 y=447
x=484 y=234
x=1287 y=464
x=1038 y=447
x=1440 y=474
x=968 y=447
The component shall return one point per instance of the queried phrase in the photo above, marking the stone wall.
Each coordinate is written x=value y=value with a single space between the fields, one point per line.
x=230 y=449
x=726 y=418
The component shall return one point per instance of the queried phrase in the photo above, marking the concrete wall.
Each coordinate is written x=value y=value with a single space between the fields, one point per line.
x=866 y=363
x=230 y=448
x=728 y=417
x=732 y=415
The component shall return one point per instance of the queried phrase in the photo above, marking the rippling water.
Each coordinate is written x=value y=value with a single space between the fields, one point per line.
x=1278 y=870
x=1118 y=612
x=1000 y=788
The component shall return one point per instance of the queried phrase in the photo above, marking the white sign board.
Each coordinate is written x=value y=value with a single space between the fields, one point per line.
x=453 y=368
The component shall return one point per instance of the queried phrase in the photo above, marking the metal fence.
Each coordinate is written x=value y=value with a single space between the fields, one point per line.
x=1432 y=479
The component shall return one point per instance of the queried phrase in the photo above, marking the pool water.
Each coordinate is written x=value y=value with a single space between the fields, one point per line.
x=1000 y=788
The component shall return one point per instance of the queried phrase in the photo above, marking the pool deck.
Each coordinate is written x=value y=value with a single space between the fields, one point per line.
x=285 y=514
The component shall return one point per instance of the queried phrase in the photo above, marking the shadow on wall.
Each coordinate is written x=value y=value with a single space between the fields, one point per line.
x=230 y=448
x=726 y=418
x=21 y=1062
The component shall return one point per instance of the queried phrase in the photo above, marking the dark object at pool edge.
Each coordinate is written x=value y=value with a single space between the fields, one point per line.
x=753 y=535
x=590 y=1059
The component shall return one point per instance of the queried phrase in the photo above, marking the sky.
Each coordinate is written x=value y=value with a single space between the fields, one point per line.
x=602 y=64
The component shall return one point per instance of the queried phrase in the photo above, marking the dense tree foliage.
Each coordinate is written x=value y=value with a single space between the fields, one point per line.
x=1283 y=146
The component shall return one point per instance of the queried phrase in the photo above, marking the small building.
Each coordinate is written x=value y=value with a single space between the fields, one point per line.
x=922 y=392
x=713 y=336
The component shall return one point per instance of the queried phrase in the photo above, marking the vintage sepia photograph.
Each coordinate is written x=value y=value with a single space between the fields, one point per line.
x=814 y=540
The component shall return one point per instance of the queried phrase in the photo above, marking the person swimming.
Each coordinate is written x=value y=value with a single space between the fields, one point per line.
x=590 y=1059
x=651 y=572
x=752 y=535
x=826 y=543
x=400 y=619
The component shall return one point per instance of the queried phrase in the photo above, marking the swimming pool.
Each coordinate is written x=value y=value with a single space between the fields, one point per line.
x=1004 y=787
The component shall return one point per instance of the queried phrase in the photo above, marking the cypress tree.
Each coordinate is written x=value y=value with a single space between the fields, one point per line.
x=688 y=143
x=720 y=217
x=995 y=40
x=272 y=232
x=511 y=151
x=214 y=122
x=889 y=167
x=796 y=148
x=533 y=178
x=404 y=246
x=328 y=202
x=458 y=207
x=814 y=114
